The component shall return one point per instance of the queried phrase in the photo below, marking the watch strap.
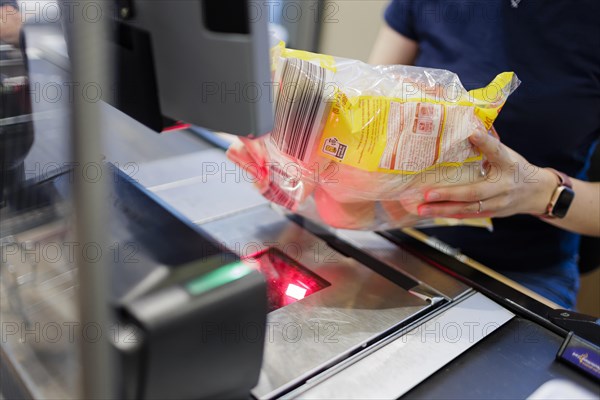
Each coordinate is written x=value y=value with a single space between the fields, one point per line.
x=564 y=182
x=564 y=178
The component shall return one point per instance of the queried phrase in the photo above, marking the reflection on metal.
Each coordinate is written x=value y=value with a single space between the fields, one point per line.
x=397 y=367
x=314 y=333
x=319 y=331
x=427 y=293
x=446 y=249
x=90 y=62
x=16 y=120
x=401 y=260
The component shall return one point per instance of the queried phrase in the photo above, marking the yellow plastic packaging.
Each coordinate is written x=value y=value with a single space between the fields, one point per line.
x=353 y=144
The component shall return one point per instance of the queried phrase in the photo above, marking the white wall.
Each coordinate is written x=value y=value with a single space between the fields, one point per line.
x=350 y=26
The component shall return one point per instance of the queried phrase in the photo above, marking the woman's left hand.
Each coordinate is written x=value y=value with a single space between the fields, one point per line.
x=512 y=186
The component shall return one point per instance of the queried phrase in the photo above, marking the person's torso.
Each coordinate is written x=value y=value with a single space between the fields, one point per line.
x=553 y=118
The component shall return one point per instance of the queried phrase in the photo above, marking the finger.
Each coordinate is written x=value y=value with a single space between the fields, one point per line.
x=464 y=193
x=494 y=133
x=255 y=172
x=451 y=209
x=239 y=154
x=492 y=149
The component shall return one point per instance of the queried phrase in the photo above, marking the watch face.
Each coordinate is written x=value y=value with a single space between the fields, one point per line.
x=565 y=198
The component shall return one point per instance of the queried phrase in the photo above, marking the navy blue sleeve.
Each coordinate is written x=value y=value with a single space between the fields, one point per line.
x=12 y=3
x=400 y=17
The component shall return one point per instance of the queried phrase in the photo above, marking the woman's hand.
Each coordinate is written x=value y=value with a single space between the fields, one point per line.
x=512 y=186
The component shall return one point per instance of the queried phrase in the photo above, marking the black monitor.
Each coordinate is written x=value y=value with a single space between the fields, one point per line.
x=203 y=62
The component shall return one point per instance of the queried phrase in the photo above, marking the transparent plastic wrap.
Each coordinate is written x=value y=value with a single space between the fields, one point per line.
x=353 y=144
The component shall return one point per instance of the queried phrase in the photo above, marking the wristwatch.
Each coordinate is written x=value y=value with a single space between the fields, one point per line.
x=561 y=198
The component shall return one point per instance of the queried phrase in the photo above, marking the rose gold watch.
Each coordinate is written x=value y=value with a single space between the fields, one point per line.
x=562 y=197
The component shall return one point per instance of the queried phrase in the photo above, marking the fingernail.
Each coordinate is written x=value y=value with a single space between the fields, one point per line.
x=433 y=196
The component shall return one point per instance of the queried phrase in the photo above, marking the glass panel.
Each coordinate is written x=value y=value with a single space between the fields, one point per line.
x=38 y=278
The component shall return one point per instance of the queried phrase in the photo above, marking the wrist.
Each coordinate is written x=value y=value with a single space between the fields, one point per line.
x=544 y=188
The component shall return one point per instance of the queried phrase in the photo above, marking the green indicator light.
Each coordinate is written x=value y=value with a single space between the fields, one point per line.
x=220 y=276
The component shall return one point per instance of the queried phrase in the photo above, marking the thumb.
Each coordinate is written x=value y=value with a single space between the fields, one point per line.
x=492 y=149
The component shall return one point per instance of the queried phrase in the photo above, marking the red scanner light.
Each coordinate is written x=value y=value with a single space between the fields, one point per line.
x=287 y=280
x=295 y=291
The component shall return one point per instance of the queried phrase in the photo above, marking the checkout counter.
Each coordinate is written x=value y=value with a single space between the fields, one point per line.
x=215 y=292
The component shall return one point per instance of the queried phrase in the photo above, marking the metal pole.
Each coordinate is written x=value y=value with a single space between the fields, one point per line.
x=89 y=67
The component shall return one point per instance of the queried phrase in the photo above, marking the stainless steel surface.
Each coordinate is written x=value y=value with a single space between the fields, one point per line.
x=401 y=260
x=397 y=367
x=359 y=304
x=455 y=253
x=90 y=62
x=202 y=186
x=323 y=328
x=427 y=293
x=16 y=120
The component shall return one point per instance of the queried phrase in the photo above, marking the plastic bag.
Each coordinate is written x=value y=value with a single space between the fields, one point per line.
x=353 y=144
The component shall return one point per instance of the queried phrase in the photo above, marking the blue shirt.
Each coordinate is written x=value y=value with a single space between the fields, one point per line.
x=12 y=3
x=553 y=119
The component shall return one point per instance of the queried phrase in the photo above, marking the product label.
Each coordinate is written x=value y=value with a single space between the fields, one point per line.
x=386 y=135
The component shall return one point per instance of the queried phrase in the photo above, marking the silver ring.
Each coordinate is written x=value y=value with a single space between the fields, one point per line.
x=480 y=207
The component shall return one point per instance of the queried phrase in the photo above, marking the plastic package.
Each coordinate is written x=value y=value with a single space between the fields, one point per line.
x=353 y=144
